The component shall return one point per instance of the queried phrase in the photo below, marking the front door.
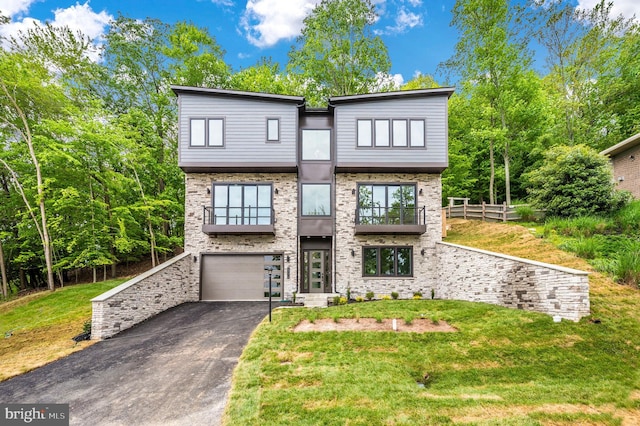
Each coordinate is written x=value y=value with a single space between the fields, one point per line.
x=317 y=272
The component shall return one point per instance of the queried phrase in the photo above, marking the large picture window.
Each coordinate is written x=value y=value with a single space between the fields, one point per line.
x=316 y=199
x=242 y=204
x=316 y=144
x=387 y=261
x=388 y=204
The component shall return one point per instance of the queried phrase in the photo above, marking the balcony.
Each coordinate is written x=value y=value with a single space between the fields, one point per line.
x=247 y=221
x=391 y=220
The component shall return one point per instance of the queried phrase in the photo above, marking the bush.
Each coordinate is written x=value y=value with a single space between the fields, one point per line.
x=385 y=297
x=369 y=295
x=394 y=295
x=574 y=181
x=526 y=213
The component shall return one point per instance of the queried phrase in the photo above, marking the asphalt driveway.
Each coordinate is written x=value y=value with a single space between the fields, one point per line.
x=173 y=369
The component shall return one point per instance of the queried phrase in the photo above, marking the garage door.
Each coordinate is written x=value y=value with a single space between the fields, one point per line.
x=240 y=277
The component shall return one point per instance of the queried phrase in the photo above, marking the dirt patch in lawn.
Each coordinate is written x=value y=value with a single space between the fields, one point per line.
x=372 y=324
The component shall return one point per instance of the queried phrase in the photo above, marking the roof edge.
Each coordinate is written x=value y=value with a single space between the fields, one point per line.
x=622 y=146
x=438 y=91
x=238 y=93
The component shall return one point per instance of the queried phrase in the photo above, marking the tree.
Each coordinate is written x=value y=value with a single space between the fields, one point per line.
x=337 y=53
x=492 y=61
x=574 y=181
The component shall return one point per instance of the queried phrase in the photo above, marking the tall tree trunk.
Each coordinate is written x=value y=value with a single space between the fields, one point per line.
x=3 y=272
x=492 y=178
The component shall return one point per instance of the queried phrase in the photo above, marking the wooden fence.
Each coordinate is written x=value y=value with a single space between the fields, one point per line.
x=484 y=211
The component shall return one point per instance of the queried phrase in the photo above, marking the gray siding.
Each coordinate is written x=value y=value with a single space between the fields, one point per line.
x=244 y=128
x=432 y=108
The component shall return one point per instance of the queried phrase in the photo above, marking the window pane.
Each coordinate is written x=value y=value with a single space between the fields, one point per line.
x=215 y=132
x=365 y=204
x=316 y=145
x=364 y=133
x=370 y=261
x=197 y=132
x=404 y=261
x=220 y=204
x=273 y=129
x=417 y=132
x=235 y=205
x=382 y=132
x=395 y=204
x=316 y=200
x=399 y=132
x=250 y=204
x=379 y=204
x=387 y=256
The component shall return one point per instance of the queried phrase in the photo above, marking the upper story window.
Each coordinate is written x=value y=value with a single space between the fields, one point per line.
x=316 y=199
x=387 y=204
x=206 y=132
x=242 y=204
x=273 y=130
x=316 y=144
x=384 y=133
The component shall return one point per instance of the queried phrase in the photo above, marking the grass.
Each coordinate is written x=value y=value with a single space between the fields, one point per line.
x=37 y=329
x=502 y=367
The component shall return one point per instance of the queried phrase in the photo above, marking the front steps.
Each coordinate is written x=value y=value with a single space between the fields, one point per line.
x=317 y=300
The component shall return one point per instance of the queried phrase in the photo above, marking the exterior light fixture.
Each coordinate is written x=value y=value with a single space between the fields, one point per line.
x=276 y=191
x=422 y=252
x=353 y=191
x=208 y=190
x=353 y=253
x=420 y=192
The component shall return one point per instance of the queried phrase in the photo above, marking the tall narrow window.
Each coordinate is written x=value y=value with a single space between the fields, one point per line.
x=417 y=133
x=197 y=132
x=316 y=199
x=399 y=132
x=273 y=129
x=382 y=132
x=216 y=132
x=316 y=144
x=365 y=133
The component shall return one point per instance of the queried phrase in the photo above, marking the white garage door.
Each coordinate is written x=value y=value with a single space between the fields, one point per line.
x=240 y=277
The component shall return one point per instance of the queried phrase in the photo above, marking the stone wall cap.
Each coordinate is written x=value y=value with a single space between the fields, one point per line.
x=109 y=294
x=518 y=259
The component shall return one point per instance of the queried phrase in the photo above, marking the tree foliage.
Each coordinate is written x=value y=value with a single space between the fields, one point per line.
x=574 y=181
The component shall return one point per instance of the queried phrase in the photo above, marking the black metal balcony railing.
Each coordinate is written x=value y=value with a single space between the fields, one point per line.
x=400 y=220
x=248 y=220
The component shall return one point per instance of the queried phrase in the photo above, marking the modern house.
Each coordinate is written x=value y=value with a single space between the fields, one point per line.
x=625 y=159
x=330 y=200
x=312 y=202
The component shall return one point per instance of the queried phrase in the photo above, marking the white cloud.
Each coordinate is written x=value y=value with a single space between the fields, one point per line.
x=626 y=8
x=415 y=3
x=266 y=22
x=405 y=21
x=227 y=3
x=14 y=7
x=79 y=17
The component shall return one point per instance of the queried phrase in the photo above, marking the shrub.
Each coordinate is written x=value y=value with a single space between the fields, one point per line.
x=526 y=213
x=386 y=297
x=417 y=295
x=408 y=319
x=369 y=295
x=394 y=295
x=574 y=181
x=343 y=301
x=359 y=299
x=627 y=267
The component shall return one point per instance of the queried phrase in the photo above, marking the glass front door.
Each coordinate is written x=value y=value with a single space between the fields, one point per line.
x=317 y=272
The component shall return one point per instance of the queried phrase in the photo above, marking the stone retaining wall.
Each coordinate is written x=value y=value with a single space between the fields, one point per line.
x=144 y=296
x=481 y=276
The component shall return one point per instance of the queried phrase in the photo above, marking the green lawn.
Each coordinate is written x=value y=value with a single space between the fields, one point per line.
x=503 y=366
x=39 y=328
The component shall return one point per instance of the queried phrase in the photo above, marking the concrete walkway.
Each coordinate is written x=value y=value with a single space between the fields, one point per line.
x=173 y=369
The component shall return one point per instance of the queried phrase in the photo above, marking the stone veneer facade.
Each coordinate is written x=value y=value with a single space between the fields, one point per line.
x=285 y=206
x=475 y=275
x=349 y=268
x=144 y=296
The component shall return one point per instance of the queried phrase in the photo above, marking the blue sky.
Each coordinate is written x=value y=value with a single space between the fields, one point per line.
x=416 y=32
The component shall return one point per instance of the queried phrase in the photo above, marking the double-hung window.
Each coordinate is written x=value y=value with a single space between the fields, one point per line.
x=387 y=204
x=387 y=261
x=242 y=204
x=206 y=132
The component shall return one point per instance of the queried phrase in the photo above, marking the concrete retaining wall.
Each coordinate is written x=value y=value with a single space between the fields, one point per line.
x=481 y=276
x=144 y=296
